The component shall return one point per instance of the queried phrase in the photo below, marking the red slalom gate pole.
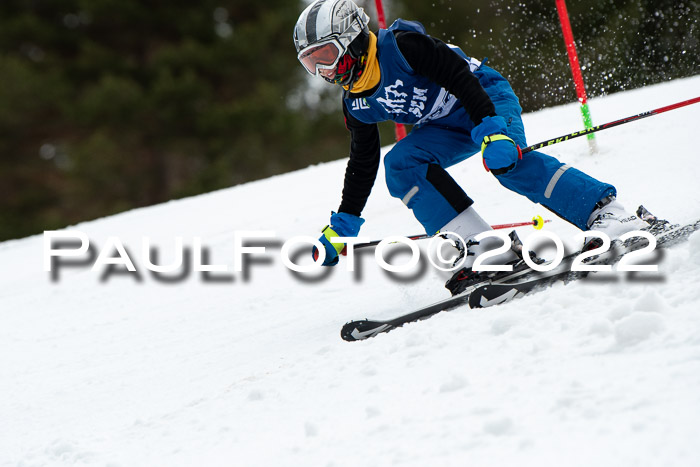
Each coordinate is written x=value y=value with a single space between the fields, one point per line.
x=399 y=130
x=576 y=71
x=380 y=14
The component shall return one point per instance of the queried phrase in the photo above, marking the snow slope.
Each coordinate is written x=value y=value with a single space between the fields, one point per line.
x=251 y=371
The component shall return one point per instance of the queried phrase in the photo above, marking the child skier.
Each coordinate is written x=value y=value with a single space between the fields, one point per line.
x=458 y=107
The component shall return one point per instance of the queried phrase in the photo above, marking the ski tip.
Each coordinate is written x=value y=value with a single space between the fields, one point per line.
x=363 y=329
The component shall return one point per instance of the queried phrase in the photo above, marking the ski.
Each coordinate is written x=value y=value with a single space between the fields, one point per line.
x=495 y=294
x=487 y=295
x=366 y=328
x=524 y=281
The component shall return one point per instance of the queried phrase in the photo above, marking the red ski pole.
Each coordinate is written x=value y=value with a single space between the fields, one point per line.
x=537 y=222
x=605 y=126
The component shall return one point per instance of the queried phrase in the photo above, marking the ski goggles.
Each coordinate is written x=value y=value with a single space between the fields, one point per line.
x=323 y=55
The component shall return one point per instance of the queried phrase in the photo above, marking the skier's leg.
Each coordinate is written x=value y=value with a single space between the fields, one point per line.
x=415 y=174
x=543 y=179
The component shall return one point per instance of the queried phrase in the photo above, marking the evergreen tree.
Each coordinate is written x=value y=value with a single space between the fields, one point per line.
x=107 y=105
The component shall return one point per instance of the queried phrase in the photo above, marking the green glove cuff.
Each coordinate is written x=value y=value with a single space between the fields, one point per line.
x=329 y=233
x=491 y=138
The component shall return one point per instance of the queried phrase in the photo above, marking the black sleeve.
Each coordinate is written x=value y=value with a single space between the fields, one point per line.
x=361 y=171
x=433 y=59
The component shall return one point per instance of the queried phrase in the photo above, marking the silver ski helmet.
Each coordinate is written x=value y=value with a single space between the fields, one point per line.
x=329 y=33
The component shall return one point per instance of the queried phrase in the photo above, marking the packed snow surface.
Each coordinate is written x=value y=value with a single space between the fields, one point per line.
x=247 y=368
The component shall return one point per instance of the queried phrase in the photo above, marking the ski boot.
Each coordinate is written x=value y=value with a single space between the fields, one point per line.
x=466 y=277
x=612 y=219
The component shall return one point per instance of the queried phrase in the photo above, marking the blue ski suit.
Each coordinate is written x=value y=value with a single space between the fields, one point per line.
x=441 y=138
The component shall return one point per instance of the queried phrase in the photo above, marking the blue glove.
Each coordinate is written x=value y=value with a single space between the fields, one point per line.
x=500 y=153
x=342 y=225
